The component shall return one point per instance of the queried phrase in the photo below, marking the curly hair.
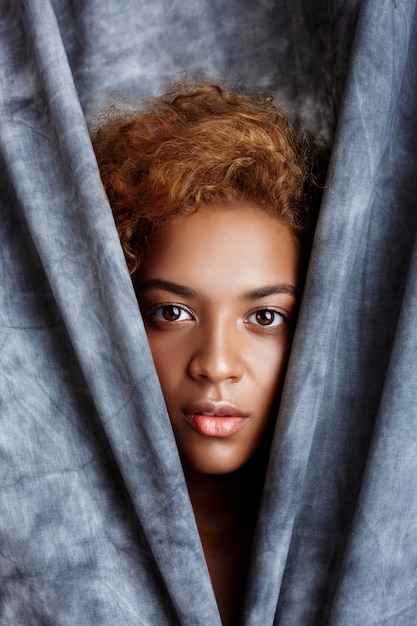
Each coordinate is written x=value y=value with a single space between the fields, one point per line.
x=198 y=145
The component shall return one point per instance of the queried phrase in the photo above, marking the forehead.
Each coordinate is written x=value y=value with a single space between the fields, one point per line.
x=223 y=248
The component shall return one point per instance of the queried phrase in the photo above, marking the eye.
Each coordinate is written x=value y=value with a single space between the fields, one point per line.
x=266 y=317
x=170 y=313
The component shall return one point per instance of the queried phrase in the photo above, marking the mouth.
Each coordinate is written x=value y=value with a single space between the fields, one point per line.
x=215 y=419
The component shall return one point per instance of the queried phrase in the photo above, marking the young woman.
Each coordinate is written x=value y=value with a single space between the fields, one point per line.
x=212 y=194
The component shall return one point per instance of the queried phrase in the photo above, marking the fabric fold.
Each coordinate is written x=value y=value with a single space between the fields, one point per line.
x=342 y=351
x=97 y=327
x=96 y=525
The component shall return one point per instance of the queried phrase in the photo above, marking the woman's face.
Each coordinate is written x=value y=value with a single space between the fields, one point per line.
x=217 y=290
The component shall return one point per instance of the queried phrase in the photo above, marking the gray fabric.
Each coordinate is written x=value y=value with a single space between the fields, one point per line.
x=95 y=522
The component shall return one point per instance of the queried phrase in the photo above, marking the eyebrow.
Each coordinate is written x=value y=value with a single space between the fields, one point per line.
x=187 y=292
x=165 y=285
x=270 y=290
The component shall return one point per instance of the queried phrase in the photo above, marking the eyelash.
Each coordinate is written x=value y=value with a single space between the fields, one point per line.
x=159 y=307
x=153 y=313
x=275 y=313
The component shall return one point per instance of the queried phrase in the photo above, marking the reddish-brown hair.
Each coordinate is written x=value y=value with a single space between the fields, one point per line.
x=201 y=144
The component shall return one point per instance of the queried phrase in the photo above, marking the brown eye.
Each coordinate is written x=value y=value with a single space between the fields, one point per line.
x=170 y=313
x=266 y=317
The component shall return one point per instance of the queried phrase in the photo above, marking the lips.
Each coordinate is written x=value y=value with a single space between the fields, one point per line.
x=214 y=419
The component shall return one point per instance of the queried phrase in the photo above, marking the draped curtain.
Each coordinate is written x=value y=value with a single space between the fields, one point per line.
x=95 y=522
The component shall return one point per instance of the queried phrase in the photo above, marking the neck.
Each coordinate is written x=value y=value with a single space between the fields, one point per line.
x=219 y=499
x=225 y=508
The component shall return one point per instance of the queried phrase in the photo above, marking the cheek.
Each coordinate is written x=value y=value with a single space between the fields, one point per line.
x=169 y=357
x=268 y=364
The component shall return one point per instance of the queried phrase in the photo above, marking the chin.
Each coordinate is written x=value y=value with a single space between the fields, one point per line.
x=217 y=463
x=215 y=470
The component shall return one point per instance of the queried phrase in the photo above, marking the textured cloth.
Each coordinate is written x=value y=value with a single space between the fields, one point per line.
x=96 y=527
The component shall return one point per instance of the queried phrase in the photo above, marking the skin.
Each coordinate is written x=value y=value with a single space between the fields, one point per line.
x=217 y=290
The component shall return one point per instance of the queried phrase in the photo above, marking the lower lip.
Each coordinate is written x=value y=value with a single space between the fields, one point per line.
x=216 y=426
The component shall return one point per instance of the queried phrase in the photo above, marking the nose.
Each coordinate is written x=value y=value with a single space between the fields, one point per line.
x=218 y=354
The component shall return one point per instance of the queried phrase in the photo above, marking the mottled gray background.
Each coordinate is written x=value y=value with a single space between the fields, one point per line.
x=297 y=49
x=95 y=523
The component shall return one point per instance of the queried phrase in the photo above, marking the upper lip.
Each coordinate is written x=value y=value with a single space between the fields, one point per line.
x=220 y=409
